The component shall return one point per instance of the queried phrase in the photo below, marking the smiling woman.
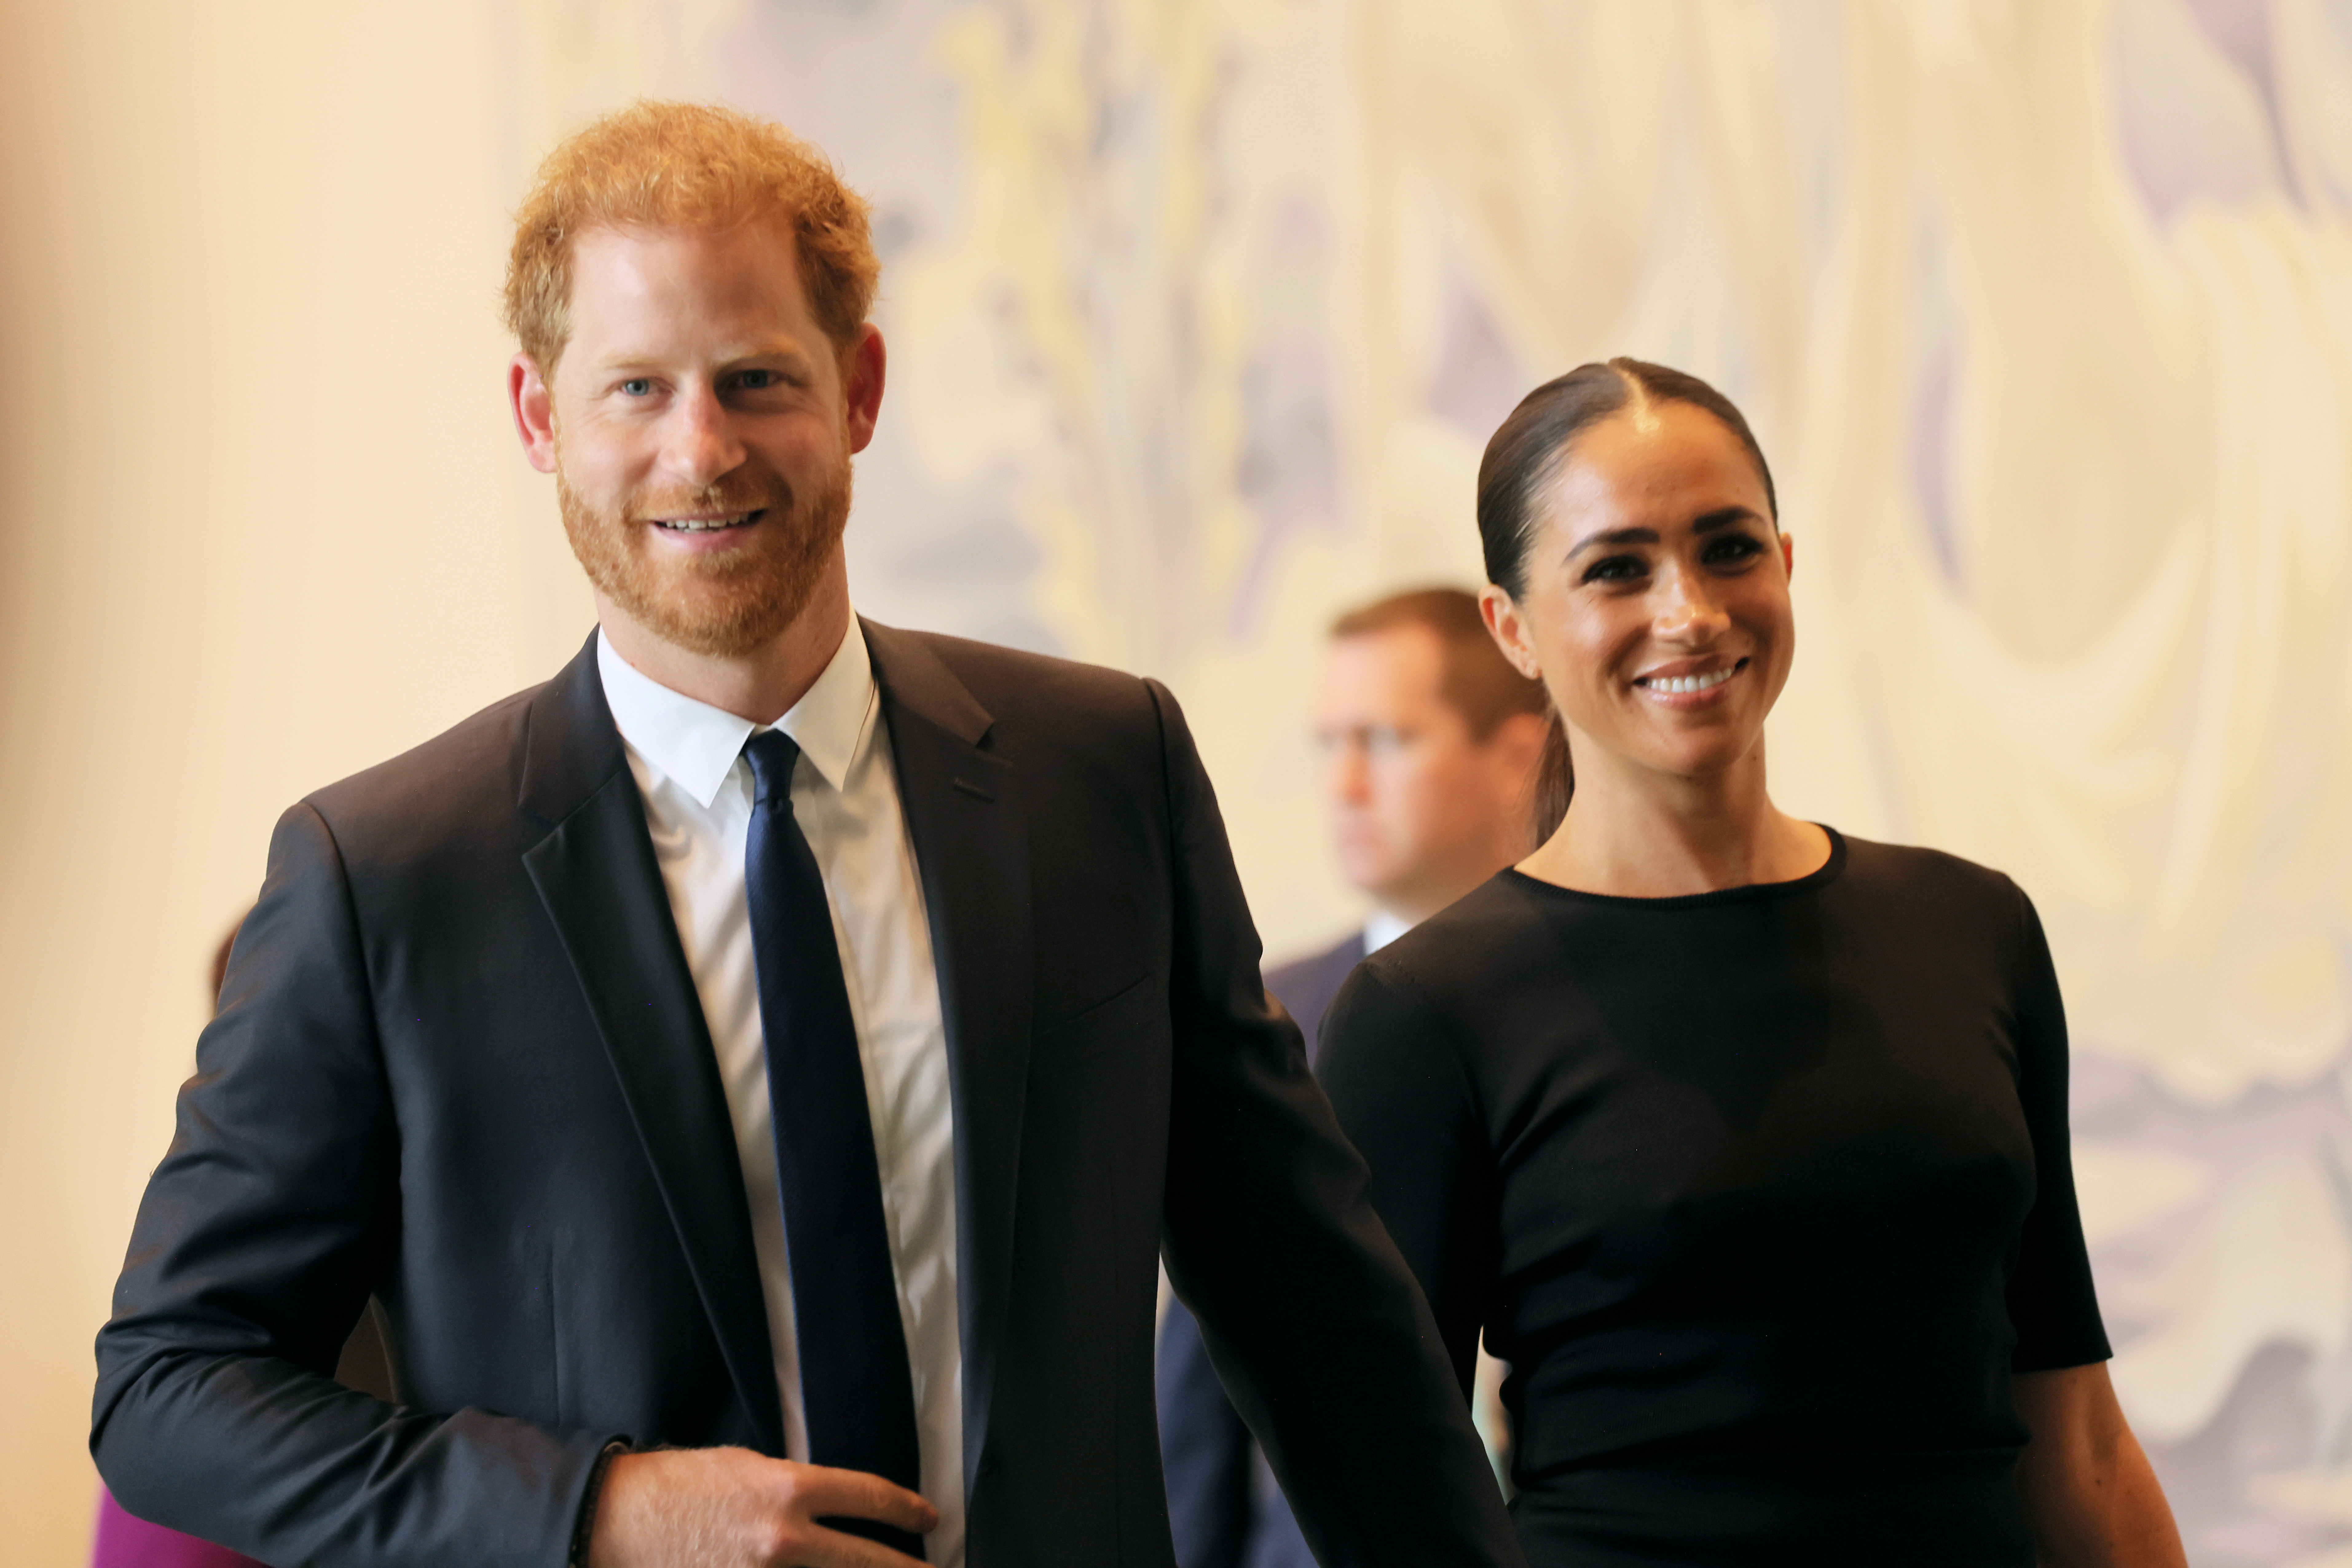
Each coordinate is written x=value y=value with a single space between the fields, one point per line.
x=1528 y=457
x=1743 y=1143
x=1640 y=582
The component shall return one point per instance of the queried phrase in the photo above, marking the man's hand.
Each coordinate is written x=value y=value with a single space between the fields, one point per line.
x=730 y=1508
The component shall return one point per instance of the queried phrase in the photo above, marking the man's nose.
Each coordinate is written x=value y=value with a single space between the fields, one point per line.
x=1346 y=773
x=700 y=446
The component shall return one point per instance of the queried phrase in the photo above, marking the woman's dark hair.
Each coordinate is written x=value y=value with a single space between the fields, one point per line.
x=1525 y=456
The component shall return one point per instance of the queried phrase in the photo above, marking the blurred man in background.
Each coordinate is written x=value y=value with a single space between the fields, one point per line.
x=1431 y=742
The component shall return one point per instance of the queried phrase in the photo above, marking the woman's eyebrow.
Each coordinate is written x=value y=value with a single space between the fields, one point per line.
x=1723 y=517
x=1706 y=522
x=1612 y=536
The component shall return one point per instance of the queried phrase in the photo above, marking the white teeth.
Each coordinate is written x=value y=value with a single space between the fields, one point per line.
x=704 y=524
x=1679 y=683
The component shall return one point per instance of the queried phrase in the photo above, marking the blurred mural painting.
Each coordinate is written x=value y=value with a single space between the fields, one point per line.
x=1202 y=311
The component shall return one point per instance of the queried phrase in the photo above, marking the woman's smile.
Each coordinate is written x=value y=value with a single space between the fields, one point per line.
x=1688 y=683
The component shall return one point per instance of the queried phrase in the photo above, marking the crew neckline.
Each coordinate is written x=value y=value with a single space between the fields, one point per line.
x=1821 y=876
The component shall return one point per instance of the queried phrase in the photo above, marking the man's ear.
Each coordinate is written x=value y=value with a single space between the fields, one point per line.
x=862 y=369
x=1521 y=735
x=533 y=408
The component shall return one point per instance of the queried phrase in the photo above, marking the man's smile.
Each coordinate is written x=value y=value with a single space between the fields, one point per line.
x=708 y=524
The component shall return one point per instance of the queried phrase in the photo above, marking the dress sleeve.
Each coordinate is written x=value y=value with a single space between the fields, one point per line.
x=2052 y=1303
x=1406 y=1103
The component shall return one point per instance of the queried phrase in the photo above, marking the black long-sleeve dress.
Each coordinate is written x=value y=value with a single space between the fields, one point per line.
x=1763 y=1194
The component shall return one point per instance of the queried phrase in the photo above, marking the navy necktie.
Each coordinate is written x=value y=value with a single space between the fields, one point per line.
x=855 y=1383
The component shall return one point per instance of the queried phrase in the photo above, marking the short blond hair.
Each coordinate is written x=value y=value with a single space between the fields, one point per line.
x=662 y=166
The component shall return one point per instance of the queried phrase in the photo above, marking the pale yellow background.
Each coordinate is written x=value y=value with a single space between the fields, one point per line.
x=261 y=523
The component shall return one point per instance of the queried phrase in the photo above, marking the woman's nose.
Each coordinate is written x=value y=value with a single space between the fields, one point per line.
x=700 y=445
x=1689 y=611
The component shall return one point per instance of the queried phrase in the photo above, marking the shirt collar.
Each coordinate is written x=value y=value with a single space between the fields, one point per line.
x=1382 y=927
x=832 y=722
x=694 y=745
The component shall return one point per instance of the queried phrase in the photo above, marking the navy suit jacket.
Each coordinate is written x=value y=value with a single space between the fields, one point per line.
x=461 y=1065
x=1223 y=1500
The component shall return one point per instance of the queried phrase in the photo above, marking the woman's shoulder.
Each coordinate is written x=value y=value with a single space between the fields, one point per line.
x=1460 y=953
x=1421 y=1009
x=1909 y=871
x=1933 y=896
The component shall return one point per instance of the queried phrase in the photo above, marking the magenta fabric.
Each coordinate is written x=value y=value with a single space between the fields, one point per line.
x=124 y=1541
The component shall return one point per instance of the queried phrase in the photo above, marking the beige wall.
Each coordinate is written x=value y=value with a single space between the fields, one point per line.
x=261 y=524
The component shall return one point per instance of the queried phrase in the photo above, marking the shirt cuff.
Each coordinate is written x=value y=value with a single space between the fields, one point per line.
x=587 y=1520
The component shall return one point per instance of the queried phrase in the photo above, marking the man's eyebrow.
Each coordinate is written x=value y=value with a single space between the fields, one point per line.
x=772 y=348
x=744 y=353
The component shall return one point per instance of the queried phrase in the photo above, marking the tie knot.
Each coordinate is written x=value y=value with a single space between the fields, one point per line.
x=771 y=754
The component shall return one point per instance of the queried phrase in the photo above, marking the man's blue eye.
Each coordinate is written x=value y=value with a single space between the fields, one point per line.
x=636 y=386
x=758 y=380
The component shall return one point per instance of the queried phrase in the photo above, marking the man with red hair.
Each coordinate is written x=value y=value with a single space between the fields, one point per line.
x=757 y=1073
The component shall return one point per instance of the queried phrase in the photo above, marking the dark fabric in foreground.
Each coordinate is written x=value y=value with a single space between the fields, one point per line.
x=459 y=1064
x=1223 y=1500
x=1762 y=1193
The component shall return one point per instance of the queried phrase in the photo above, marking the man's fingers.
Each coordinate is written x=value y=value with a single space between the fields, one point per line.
x=832 y=1548
x=852 y=1494
x=822 y=1492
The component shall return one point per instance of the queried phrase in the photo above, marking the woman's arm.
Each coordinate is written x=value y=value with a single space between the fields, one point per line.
x=2091 y=1499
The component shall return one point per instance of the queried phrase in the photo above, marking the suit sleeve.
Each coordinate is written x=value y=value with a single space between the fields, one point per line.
x=216 y=1412
x=1312 y=1317
x=1403 y=1100
x=2052 y=1303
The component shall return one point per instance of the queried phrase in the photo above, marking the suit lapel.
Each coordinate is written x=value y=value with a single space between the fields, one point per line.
x=963 y=815
x=603 y=889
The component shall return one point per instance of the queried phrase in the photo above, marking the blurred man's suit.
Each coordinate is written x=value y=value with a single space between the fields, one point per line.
x=460 y=1064
x=1227 y=1509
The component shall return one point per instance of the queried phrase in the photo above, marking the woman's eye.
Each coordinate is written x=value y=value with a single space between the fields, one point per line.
x=1616 y=569
x=1732 y=549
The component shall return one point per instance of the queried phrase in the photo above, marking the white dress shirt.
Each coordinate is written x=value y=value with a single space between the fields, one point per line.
x=1382 y=927
x=688 y=760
